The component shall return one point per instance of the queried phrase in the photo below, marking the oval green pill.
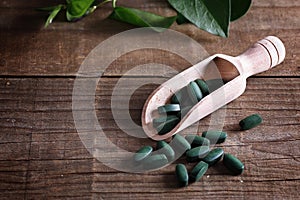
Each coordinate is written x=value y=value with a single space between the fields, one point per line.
x=180 y=144
x=175 y=99
x=168 y=108
x=198 y=171
x=197 y=153
x=213 y=156
x=142 y=153
x=214 y=84
x=196 y=140
x=166 y=149
x=155 y=161
x=194 y=92
x=163 y=119
x=233 y=164
x=182 y=175
x=183 y=112
x=178 y=96
x=215 y=137
x=250 y=122
x=161 y=144
x=184 y=98
x=167 y=126
x=203 y=86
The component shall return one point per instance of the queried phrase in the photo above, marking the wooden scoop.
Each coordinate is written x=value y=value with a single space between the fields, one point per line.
x=263 y=55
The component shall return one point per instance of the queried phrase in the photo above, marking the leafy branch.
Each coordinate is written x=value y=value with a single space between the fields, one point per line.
x=213 y=16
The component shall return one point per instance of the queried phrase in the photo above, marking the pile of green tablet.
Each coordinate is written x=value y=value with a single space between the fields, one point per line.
x=181 y=102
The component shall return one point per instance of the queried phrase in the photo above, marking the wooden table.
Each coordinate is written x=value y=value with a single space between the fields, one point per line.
x=42 y=156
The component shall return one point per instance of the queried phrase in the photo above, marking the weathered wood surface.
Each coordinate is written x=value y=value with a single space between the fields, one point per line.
x=56 y=51
x=42 y=156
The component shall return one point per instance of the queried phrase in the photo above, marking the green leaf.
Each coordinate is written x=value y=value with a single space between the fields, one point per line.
x=49 y=9
x=212 y=16
x=77 y=8
x=181 y=19
x=142 y=18
x=53 y=14
x=239 y=8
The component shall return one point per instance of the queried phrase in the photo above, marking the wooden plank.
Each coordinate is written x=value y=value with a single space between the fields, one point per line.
x=275 y=3
x=15 y=137
x=59 y=178
x=65 y=55
x=13 y=176
x=29 y=19
x=282 y=92
x=60 y=49
x=137 y=3
x=238 y=190
x=284 y=107
x=59 y=166
x=36 y=3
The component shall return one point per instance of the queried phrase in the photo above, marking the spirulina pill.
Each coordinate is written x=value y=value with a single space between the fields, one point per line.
x=214 y=84
x=180 y=144
x=143 y=153
x=203 y=86
x=250 y=122
x=194 y=92
x=178 y=96
x=163 y=119
x=167 y=126
x=169 y=108
x=182 y=175
x=155 y=161
x=214 y=136
x=195 y=154
x=175 y=98
x=196 y=140
x=166 y=149
x=213 y=156
x=198 y=171
x=233 y=164
x=183 y=112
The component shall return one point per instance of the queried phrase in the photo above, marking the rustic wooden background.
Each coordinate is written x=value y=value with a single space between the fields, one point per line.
x=42 y=157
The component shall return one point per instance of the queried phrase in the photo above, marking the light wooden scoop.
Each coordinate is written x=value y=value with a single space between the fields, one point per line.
x=263 y=55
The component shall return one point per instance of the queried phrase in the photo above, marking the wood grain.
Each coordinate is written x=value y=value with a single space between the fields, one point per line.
x=42 y=156
x=57 y=165
x=136 y=3
x=61 y=48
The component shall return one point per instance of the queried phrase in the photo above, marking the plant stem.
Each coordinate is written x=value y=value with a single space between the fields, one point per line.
x=93 y=8
x=114 y=3
x=103 y=2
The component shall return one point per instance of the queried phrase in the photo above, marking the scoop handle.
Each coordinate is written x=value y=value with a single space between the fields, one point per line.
x=263 y=55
